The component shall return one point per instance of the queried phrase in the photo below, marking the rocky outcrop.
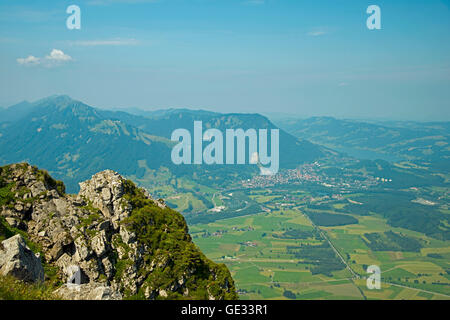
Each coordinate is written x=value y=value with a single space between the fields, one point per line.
x=89 y=291
x=17 y=260
x=105 y=190
x=112 y=239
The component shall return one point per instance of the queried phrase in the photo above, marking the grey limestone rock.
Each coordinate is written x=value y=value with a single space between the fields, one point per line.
x=17 y=260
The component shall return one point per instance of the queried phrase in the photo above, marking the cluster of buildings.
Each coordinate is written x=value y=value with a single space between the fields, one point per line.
x=306 y=172
x=313 y=173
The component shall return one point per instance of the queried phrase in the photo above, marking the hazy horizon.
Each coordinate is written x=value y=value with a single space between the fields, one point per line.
x=273 y=116
x=285 y=57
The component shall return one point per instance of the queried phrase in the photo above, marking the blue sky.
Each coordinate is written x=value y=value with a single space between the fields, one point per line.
x=286 y=56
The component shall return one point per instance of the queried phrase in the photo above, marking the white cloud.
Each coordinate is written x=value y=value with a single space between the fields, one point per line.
x=26 y=15
x=111 y=42
x=58 y=56
x=55 y=58
x=316 y=33
x=254 y=2
x=29 y=61
x=108 y=2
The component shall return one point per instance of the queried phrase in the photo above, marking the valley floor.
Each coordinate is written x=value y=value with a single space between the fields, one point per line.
x=280 y=253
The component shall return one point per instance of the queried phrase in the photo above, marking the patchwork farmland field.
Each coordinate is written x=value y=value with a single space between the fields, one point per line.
x=281 y=253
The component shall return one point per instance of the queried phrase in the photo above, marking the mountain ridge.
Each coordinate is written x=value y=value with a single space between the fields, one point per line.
x=68 y=136
x=392 y=141
x=74 y=140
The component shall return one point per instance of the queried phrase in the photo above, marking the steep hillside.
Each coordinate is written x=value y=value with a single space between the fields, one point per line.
x=293 y=151
x=15 y=112
x=120 y=241
x=74 y=141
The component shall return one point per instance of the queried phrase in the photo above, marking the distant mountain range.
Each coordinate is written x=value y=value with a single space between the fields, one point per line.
x=392 y=141
x=15 y=112
x=162 y=123
x=74 y=140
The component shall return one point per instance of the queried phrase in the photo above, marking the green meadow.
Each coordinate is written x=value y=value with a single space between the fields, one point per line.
x=270 y=253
